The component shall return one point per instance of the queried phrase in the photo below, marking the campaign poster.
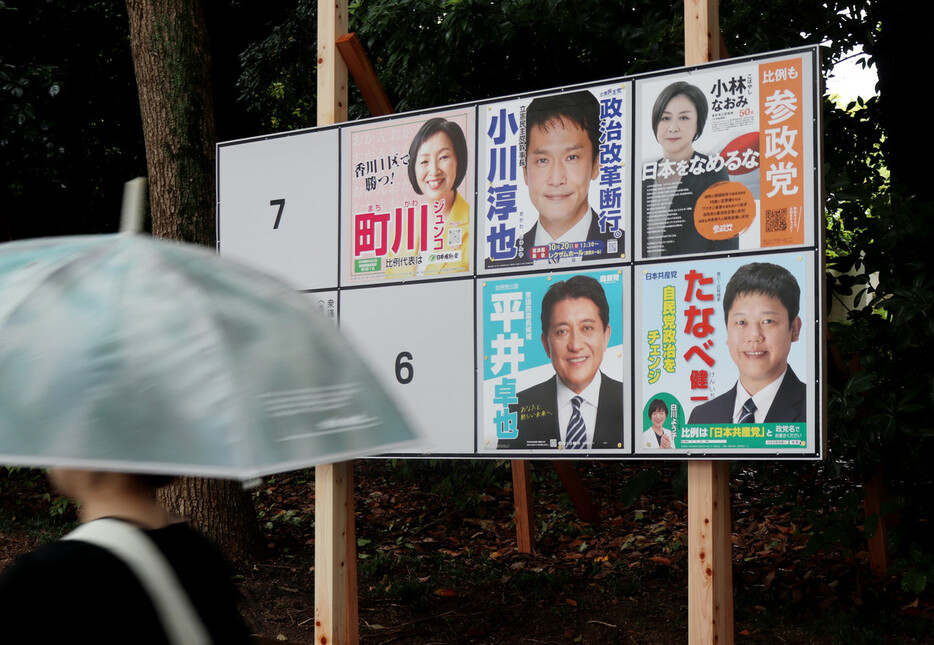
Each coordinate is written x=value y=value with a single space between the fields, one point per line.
x=740 y=380
x=554 y=176
x=726 y=158
x=529 y=380
x=408 y=191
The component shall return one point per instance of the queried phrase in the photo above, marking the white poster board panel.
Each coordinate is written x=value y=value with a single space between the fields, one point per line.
x=326 y=302
x=527 y=378
x=690 y=357
x=418 y=339
x=278 y=206
x=725 y=158
x=568 y=172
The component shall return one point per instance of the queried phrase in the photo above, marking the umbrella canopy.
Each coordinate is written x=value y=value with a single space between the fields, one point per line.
x=125 y=352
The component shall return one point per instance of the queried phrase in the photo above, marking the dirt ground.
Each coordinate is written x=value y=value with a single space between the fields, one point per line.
x=438 y=563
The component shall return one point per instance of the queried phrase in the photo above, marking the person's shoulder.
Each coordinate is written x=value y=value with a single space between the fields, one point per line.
x=611 y=382
x=73 y=579
x=207 y=577
x=54 y=559
x=539 y=390
x=718 y=410
x=188 y=550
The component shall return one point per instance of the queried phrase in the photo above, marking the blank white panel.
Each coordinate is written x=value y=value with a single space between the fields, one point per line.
x=427 y=328
x=297 y=175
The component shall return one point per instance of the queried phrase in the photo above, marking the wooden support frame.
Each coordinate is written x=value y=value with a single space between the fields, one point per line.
x=710 y=563
x=710 y=602
x=335 y=556
x=364 y=75
x=524 y=504
x=335 y=532
x=875 y=495
x=581 y=499
x=522 y=494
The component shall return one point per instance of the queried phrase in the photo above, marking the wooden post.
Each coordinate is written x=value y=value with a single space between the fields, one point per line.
x=332 y=71
x=875 y=495
x=335 y=534
x=335 y=556
x=710 y=565
x=576 y=491
x=364 y=75
x=710 y=572
x=701 y=31
x=522 y=494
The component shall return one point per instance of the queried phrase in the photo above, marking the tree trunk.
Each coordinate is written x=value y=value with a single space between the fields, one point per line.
x=172 y=58
x=171 y=55
x=220 y=509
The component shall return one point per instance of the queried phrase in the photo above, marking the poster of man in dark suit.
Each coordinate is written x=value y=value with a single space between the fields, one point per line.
x=760 y=305
x=579 y=407
x=561 y=161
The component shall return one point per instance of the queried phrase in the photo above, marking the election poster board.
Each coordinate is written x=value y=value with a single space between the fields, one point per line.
x=535 y=175
x=707 y=327
x=668 y=225
x=726 y=158
x=527 y=361
x=408 y=187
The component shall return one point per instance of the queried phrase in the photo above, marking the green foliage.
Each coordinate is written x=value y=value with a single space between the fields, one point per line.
x=277 y=81
x=70 y=130
x=641 y=481
x=448 y=51
x=28 y=504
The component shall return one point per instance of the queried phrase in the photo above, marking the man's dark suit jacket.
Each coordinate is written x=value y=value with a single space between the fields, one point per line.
x=790 y=404
x=593 y=233
x=538 y=416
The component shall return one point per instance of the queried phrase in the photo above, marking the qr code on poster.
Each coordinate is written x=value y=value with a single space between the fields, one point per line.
x=454 y=236
x=776 y=220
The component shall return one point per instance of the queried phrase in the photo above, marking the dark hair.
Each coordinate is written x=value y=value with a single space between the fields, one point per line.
x=580 y=108
x=763 y=278
x=578 y=286
x=430 y=128
x=656 y=405
x=693 y=94
x=155 y=481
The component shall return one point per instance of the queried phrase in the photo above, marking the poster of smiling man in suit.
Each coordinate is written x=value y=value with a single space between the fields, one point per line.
x=561 y=385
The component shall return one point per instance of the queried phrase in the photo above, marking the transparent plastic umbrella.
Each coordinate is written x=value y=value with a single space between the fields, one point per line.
x=129 y=353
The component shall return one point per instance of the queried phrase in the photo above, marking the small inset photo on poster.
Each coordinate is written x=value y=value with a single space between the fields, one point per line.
x=553 y=360
x=725 y=356
x=408 y=198
x=661 y=418
x=725 y=158
x=554 y=178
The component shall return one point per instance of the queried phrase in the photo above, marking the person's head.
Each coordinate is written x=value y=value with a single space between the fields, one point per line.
x=575 y=329
x=438 y=159
x=760 y=307
x=562 y=157
x=658 y=412
x=678 y=119
x=79 y=484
